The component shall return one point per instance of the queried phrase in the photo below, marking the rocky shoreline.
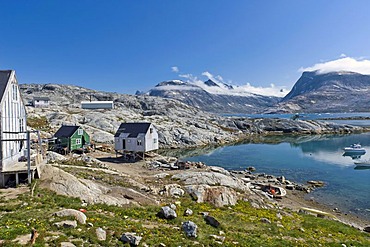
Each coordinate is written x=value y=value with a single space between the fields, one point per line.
x=162 y=176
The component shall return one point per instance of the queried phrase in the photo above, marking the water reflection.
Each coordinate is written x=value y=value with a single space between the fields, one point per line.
x=322 y=148
x=302 y=158
x=360 y=167
x=353 y=156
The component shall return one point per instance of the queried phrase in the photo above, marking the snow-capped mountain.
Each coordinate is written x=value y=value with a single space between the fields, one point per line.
x=341 y=91
x=214 y=96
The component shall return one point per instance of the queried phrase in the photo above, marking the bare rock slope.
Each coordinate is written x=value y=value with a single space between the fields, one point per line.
x=179 y=125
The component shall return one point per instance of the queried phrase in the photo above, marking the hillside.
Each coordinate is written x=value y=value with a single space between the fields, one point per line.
x=330 y=92
x=178 y=124
x=213 y=97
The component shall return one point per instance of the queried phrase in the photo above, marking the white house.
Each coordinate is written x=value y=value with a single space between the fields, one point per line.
x=136 y=137
x=13 y=125
x=97 y=105
x=41 y=101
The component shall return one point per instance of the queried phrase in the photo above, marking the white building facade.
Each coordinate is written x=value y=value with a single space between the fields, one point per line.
x=13 y=121
x=41 y=102
x=136 y=137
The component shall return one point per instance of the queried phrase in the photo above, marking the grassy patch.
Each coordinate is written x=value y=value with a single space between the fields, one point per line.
x=241 y=224
x=40 y=123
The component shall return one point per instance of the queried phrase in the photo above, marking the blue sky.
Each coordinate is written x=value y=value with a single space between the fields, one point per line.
x=124 y=46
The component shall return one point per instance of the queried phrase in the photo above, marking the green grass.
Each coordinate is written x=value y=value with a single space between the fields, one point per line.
x=40 y=123
x=241 y=224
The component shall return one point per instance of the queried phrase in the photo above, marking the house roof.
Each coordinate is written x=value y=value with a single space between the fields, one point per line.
x=134 y=129
x=41 y=98
x=66 y=131
x=4 y=78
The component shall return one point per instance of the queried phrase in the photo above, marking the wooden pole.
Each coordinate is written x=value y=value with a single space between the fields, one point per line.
x=28 y=158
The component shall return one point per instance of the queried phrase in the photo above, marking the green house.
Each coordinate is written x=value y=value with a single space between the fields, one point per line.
x=71 y=138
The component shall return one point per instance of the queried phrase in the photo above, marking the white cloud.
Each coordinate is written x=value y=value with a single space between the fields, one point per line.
x=361 y=66
x=175 y=69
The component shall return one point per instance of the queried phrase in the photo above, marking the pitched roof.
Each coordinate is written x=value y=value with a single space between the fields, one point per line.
x=132 y=128
x=4 y=78
x=41 y=98
x=66 y=131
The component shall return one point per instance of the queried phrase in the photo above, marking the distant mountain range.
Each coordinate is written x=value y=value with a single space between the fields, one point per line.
x=314 y=92
x=214 y=97
x=330 y=92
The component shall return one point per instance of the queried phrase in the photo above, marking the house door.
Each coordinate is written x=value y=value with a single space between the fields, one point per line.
x=123 y=144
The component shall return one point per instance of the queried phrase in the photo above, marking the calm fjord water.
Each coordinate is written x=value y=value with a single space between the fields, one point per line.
x=305 y=158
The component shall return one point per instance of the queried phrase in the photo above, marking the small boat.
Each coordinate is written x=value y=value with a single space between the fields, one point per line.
x=354 y=148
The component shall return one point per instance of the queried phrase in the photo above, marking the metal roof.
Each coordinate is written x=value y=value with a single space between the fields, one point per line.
x=4 y=79
x=134 y=129
x=41 y=98
x=66 y=131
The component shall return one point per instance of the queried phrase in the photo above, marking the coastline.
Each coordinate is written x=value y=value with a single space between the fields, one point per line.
x=294 y=200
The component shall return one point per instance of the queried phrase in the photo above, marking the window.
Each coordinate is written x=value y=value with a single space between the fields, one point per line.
x=80 y=132
x=15 y=92
x=21 y=125
x=139 y=143
x=151 y=130
x=78 y=141
x=155 y=140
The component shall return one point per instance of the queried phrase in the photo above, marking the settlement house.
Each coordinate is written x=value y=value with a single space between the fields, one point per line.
x=97 y=105
x=12 y=129
x=40 y=101
x=136 y=137
x=70 y=138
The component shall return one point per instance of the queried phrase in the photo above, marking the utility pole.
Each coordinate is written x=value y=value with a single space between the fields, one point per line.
x=28 y=158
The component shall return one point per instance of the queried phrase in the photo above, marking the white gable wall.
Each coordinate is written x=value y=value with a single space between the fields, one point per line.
x=151 y=139
x=13 y=119
x=142 y=143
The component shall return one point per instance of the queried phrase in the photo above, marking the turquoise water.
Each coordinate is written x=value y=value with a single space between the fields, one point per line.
x=305 y=158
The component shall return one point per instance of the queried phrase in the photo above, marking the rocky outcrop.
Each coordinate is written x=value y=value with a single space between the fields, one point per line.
x=218 y=196
x=178 y=124
x=211 y=179
x=64 y=183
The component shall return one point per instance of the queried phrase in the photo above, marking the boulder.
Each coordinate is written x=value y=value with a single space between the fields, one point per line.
x=211 y=221
x=131 y=238
x=190 y=228
x=218 y=196
x=173 y=190
x=188 y=212
x=67 y=244
x=101 y=234
x=79 y=216
x=167 y=213
x=265 y=220
x=66 y=224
